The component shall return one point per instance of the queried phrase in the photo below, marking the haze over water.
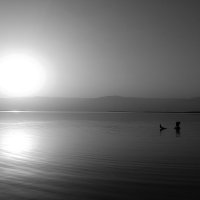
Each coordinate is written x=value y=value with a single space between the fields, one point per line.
x=98 y=156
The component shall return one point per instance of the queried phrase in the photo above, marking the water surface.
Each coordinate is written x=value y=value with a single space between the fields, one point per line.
x=98 y=156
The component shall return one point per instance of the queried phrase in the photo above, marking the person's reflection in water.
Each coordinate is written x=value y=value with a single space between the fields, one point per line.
x=178 y=132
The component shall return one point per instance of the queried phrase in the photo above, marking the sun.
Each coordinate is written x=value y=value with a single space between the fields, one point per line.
x=20 y=75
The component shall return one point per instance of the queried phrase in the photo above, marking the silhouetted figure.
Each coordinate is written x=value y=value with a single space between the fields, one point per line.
x=162 y=128
x=177 y=128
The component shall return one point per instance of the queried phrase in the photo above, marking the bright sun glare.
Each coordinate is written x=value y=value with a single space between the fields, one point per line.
x=20 y=75
x=16 y=143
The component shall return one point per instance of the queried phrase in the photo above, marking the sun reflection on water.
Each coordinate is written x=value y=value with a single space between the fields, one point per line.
x=16 y=143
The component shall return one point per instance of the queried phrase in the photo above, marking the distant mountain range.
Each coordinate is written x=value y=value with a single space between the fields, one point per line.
x=102 y=104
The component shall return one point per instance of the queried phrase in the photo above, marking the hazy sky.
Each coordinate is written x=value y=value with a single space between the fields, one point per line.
x=91 y=48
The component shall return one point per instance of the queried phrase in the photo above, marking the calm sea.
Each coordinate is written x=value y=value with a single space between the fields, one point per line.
x=98 y=156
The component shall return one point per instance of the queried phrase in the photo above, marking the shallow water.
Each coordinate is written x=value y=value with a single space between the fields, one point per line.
x=98 y=156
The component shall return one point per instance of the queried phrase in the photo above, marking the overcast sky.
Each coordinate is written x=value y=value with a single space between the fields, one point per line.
x=91 y=48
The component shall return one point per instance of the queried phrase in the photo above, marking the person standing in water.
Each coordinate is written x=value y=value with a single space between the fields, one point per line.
x=177 y=128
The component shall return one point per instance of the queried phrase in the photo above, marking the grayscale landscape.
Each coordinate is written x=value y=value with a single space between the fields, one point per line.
x=99 y=100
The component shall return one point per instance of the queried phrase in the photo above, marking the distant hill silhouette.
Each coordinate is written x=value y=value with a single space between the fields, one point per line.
x=102 y=104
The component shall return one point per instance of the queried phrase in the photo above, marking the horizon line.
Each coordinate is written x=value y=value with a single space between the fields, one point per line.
x=107 y=96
